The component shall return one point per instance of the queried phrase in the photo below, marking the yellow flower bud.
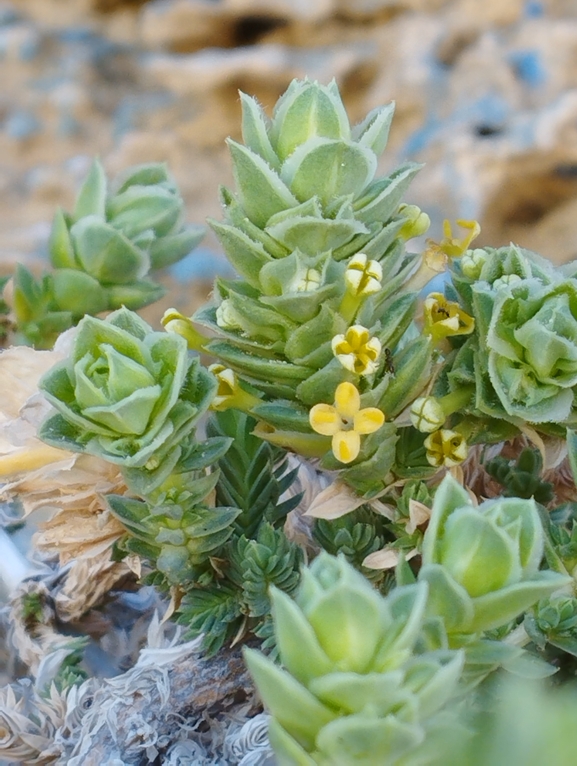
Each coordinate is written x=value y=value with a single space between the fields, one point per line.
x=308 y=281
x=417 y=222
x=363 y=277
x=427 y=414
x=472 y=262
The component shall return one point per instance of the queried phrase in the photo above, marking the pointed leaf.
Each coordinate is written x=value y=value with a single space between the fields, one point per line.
x=91 y=200
x=291 y=704
x=260 y=190
x=328 y=169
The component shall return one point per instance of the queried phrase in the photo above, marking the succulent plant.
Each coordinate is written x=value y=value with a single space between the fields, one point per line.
x=352 y=690
x=522 y=356
x=482 y=563
x=322 y=298
x=103 y=252
x=127 y=394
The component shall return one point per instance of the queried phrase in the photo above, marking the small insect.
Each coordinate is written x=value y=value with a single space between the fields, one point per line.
x=442 y=310
x=389 y=366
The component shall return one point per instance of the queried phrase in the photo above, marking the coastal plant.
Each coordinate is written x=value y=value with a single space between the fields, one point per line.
x=353 y=689
x=371 y=479
x=103 y=253
x=321 y=316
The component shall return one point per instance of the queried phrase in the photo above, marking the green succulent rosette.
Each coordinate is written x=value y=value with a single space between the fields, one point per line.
x=322 y=296
x=105 y=250
x=482 y=563
x=127 y=394
x=522 y=357
x=117 y=235
x=352 y=690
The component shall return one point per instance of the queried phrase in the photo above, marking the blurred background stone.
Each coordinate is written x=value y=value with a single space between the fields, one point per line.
x=486 y=96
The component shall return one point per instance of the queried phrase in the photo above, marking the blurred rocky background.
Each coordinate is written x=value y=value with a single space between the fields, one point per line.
x=486 y=94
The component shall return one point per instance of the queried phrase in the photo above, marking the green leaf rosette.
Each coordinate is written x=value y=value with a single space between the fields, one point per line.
x=351 y=690
x=126 y=394
x=482 y=563
x=522 y=356
x=105 y=250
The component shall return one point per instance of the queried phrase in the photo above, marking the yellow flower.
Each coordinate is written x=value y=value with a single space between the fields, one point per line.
x=445 y=318
x=455 y=247
x=174 y=321
x=345 y=421
x=363 y=277
x=446 y=448
x=229 y=393
x=437 y=254
x=356 y=350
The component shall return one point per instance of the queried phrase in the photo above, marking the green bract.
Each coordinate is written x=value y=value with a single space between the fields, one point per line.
x=482 y=563
x=126 y=393
x=316 y=241
x=352 y=691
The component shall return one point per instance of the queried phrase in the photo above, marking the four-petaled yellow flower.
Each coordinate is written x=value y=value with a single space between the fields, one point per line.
x=363 y=277
x=445 y=318
x=357 y=351
x=446 y=448
x=346 y=422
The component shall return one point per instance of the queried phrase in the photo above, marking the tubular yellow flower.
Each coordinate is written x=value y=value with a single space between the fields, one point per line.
x=174 y=321
x=437 y=254
x=453 y=246
x=356 y=350
x=363 y=277
x=229 y=393
x=346 y=422
x=446 y=448
x=445 y=318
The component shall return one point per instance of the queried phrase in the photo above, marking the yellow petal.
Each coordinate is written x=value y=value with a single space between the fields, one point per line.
x=339 y=345
x=325 y=420
x=357 y=335
x=347 y=400
x=346 y=446
x=348 y=361
x=369 y=420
